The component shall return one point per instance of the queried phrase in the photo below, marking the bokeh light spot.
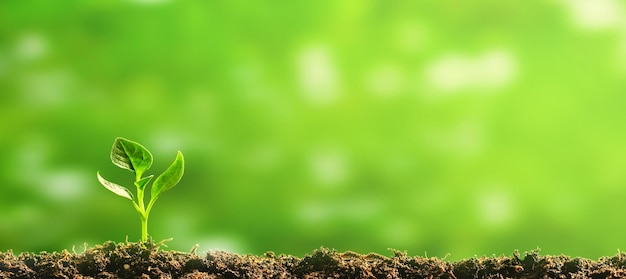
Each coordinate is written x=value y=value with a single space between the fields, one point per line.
x=318 y=75
x=65 y=185
x=328 y=167
x=454 y=73
x=31 y=46
x=50 y=88
x=495 y=206
x=596 y=14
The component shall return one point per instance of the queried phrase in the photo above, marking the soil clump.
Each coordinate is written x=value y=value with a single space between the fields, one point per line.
x=134 y=260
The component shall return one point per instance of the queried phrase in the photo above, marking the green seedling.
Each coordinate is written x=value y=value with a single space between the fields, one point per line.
x=134 y=157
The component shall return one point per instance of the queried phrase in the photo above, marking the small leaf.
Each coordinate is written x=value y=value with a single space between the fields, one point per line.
x=131 y=155
x=141 y=184
x=116 y=189
x=170 y=177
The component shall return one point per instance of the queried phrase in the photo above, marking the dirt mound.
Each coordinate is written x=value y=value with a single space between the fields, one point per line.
x=133 y=260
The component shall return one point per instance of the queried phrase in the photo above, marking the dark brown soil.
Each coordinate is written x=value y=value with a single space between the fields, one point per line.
x=132 y=260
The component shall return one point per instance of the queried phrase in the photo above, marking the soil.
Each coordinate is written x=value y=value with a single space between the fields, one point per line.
x=134 y=260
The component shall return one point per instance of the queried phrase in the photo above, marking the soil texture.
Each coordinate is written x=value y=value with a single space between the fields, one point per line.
x=134 y=260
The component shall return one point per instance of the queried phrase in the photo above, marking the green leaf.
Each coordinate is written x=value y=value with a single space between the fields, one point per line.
x=170 y=177
x=116 y=189
x=141 y=184
x=131 y=155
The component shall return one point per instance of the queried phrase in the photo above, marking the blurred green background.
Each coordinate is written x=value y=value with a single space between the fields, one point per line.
x=436 y=127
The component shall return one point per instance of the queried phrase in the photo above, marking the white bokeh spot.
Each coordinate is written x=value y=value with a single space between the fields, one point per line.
x=328 y=167
x=596 y=14
x=65 y=184
x=49 y=88
x=454 y=73
x=317 y=74
x=31 y=46
x=495 y=206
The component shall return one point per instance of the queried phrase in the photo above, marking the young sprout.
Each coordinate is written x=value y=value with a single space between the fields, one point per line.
x=136 y=158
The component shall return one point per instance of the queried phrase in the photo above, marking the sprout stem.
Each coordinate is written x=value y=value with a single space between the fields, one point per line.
x=143 y=215
x=144 y=228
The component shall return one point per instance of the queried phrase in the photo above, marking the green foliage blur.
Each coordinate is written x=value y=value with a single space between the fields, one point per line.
x=436 y=127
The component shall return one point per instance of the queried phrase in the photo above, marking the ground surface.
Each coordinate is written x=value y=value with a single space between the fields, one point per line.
x=131 y=260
